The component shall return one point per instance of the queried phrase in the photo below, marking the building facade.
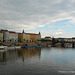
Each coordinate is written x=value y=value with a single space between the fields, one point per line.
x=10 y=36
x=20 y=37
x=32 y=37
x=23 y=37
x=65 y=39
x=1 y=36
x=28 y=37
x=48 y=38
x=38 y=37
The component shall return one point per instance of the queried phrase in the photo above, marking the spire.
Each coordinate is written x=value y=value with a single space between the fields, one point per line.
x=23 y=31
x=39 y=33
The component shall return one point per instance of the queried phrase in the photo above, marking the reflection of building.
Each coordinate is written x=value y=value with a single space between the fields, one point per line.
x=3 y=57
x=29 y=53
x=7 y=56
x=13 y=55
x=1 y=36
x=28 y=37
x=10 y=36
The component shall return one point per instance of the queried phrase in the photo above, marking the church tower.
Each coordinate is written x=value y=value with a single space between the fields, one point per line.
x=23 y=31
x=39 y=33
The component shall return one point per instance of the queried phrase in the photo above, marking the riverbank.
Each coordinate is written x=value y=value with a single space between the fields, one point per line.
x=42 y=44
x=29 y=44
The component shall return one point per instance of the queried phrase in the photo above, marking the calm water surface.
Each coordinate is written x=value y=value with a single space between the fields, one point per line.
x=38 y=61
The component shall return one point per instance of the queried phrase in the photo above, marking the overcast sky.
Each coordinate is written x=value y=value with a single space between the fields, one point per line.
x=50 y=17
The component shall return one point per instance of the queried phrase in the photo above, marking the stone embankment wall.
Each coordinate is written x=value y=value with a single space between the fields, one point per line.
x=46 y=44
x=30 y=44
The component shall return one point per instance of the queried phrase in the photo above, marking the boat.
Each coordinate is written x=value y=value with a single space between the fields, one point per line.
x=3 y=47
x=3 y=50
x=48 y=45
x=24 y=46
x=38 y=46
x=17 y=47
x=13 y=47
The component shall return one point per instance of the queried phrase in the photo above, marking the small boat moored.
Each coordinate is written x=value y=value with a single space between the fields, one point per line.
x=3 y=50
x=13 y=47
x=25 y=46
x=3 y=47
x=38 y=46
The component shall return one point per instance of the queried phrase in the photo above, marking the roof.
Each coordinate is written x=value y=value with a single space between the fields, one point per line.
x=47 y=37
x=31 y=33
x=12 y=32
x=0 y=31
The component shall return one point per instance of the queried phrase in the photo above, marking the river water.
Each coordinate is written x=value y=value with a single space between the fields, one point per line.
x=38 y=61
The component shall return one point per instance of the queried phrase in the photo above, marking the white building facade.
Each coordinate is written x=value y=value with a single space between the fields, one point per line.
x=10 y=36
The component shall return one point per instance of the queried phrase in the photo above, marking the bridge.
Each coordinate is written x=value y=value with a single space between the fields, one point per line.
x=66 y=43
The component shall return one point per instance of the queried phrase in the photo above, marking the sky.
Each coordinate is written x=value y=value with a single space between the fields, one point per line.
x=55 y=18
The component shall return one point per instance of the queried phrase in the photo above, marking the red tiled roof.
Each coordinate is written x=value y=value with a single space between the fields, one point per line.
x=47 y=37
x=12 y=32
x=0 y=31
x=31 y=33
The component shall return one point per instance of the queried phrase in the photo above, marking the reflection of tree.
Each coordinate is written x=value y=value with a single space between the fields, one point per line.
x=12 y=55
x=29 y=53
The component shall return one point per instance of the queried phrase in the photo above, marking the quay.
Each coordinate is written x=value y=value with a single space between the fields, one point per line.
x=42 y=44
x=29 y=44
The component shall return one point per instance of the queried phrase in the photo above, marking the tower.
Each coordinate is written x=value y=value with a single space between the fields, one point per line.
x=23 y=31
x=39 y=33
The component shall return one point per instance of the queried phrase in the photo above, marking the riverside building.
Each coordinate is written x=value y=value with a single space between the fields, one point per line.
x=22 y=37
x=1 y=36
x=10 y=36
x=28 y=37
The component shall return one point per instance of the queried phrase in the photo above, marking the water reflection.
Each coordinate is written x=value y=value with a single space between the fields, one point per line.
x=13 y=55
x=37 y=61
x=3 y=57
x=29 y=53
x=60 y=58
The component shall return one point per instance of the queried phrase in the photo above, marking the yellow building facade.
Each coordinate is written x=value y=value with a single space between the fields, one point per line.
x=1 y=36
x=22 y=37
x=28 y=37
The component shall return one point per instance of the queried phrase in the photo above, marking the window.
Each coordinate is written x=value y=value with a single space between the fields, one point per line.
x=24 y=39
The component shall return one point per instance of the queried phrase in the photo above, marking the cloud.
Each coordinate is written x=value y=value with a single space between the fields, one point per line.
x=40 y=25
x=30 y=14
x=58 y=33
